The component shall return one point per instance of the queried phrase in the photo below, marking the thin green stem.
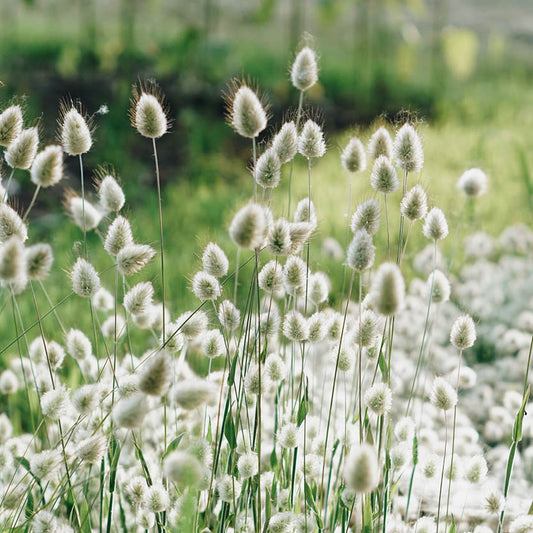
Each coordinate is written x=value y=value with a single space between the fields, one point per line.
x=32 y=203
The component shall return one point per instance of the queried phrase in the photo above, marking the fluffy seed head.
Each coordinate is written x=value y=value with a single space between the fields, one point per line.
x=77 y=208
x=182 y=468
x=44 y=522
x=443 y=395
x=306 y=212
x=54 y=403
x=435 y=226
x=295 y=327
x=213 y=344
x=414 y=205
x=463 y=332
x=267 y=171
x=247 y=465
x=75 y=132
x=110 y=194
x=118 y=236
x=271 y=277
x=139 y=298
x=214 y=260
x=91 y=450
x=43 y=464
x=439 y=286
x=229 y=316
x=12 y=260
x=103 y=300
x=21 y=152
x=294 y=274
x=191 y=394
x=39 y=260
x=343 y=356
x=47 y=167
x=248 y=227
x=494 y=502
x=380 y=144
x=246 y=113
x=275 y=368
x=285 y=143
x=155 y=375
x=378 y=398
x=11 y=225
x=384 y=178
x=366 y=329
x=56 y=354
x=304 y=70
x=361 y=251
x=289 y=435
x=318 y=288
x=78 y=345
x=228 y=488
x=361 y=470
x=300 y=234
x=353 y=157
x=11 y=124
x=311 y=141
x=192 y=324
x=148 y=116
x=387 y=292
x=367 y=217
x=205 y=286
x=522 y=524
x=279 y=238
x=129 y=412
x=85 y=280
x=476 y=469
x=136 y=489
x=156 y=498
x=8 y=385
x=134 y=257
x=473 y=182
x=408 y=149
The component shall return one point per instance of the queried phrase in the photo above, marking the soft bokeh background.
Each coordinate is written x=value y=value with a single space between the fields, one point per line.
x=462 y=68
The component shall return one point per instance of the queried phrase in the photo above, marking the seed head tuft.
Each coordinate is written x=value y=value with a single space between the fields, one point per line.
x=353 y=157
x=304 y=70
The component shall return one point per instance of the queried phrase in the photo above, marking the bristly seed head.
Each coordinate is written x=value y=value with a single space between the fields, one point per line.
x=387 y=292
x=353 y=157
x=361 y=251
x=75 y=130
x=285 y=143
x=47 y=167
x=408 y=149
x=22 y=151
x=304 y=70
x=384 y=178
x=11 y=124
x=246 y=113
x=463 y=332
x=367 y=217
x=380 y=144
x=110 y=193
x=85 y=280
x=414 y=205
x=267 y=171
x=435 y=226
x=11 y=225
x=311 y=142
x=148 y=111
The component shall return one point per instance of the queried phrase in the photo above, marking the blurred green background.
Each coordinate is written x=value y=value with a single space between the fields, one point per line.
x=463 y=68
